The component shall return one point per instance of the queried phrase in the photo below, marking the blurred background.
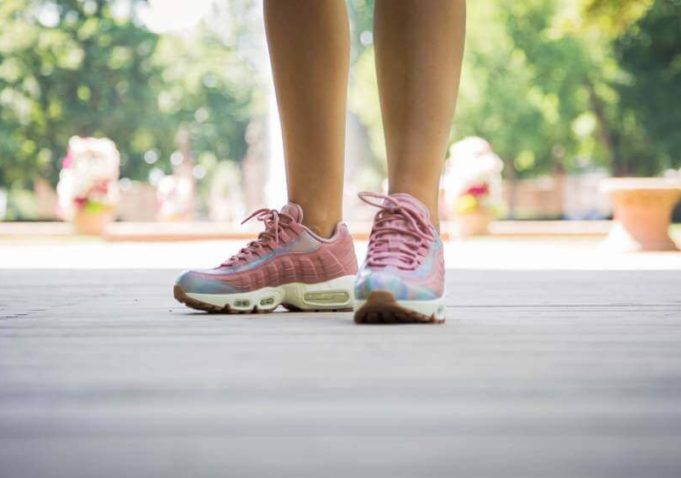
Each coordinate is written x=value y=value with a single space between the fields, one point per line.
x=136 y=135
x=556 y=96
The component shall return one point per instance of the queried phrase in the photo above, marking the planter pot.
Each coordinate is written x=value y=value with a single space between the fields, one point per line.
x=92 y=223
x=642 y=213
x=475 y=223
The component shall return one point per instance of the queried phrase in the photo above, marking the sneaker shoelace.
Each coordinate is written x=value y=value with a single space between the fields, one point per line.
x=400 y=236
x=276 y=224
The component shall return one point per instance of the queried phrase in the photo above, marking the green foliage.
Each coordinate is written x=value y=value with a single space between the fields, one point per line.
x=523 y=87
x=556 y=84
x=550 y=83
x=207 y=89
x=650 y=53
x=361 y=14
x=613 y=17
x=363 y=101
x=75 y=67
x=87 y=74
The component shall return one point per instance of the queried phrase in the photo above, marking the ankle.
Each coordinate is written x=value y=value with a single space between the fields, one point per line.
x=320 y=221
x=321 y=228
x=318 y=216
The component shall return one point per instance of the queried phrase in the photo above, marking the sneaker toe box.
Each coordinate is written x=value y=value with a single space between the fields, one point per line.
x=401 y=287
x=204 y=282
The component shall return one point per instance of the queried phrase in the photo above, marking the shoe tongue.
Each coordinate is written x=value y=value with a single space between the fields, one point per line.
x=293 y=210
x=405 y=198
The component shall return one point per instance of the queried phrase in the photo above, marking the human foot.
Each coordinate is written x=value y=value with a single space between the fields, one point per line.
x=287 y=264
x=402 y=278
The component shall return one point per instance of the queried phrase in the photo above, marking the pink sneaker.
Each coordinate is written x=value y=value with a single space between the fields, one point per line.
x=402 y=279
x=287 y=264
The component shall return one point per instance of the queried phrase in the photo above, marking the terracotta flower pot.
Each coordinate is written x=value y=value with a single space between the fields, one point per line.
x=642 y=213
x=92 y=223
x=474 y=223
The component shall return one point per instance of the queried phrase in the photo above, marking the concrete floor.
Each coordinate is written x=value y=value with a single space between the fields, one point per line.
x=543 y=373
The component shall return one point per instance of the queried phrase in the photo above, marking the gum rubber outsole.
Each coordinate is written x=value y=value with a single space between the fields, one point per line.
x=181 y=296
x=382 y=308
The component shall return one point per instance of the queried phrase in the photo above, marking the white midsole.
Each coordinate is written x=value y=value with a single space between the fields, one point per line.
x=435 y=307
x=332 y=294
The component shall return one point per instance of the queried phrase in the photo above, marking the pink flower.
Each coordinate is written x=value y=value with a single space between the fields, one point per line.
x=67 y=162
x=478 y=190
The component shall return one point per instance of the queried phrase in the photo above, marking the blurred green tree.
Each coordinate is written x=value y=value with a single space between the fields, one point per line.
x=361 y=13
x=557 y=84
x=551 y=83
x=71 y=67
x=81 y=67
x=517 y=89
x=649 y=53
x=206 y=88
x=611 y=17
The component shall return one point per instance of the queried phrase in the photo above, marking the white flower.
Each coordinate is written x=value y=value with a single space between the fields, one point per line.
x=472 y=162
x=89 y=174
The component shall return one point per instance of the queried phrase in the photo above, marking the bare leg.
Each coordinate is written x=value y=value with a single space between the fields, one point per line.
x=419 y=46
x=309 y=51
